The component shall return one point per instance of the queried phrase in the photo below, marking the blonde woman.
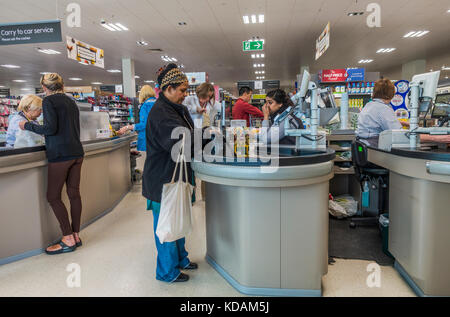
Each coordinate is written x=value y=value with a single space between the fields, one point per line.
x=203 y=105
x=30 y=108
x=65 y=154
x=147 y=99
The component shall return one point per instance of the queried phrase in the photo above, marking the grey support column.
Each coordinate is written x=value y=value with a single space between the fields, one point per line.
x=128 y=73
x=412 y=68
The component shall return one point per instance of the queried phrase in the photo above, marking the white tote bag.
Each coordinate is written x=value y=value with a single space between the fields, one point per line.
x=176 y=205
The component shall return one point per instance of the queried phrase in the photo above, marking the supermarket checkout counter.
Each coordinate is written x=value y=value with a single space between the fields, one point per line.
x=27 y=223
x=267 y=230
x=419 y=200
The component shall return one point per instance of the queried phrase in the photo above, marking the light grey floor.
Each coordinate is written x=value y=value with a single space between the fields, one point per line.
x=119 y=259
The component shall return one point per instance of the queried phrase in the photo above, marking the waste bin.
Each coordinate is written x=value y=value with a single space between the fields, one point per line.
x=384 y=229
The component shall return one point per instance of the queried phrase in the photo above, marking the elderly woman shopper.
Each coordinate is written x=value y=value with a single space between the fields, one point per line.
x=30 y=108
x=65 y=154
x=167 y=114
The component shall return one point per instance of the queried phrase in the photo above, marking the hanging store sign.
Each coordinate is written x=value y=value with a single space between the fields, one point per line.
x=248 y=46
x=30 y=32
x=341 y=75
x=323 y=42
x=84 y=53
x=197 y=78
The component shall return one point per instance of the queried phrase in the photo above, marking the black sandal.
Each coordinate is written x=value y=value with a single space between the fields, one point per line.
x=79 y=244
x=64 y=248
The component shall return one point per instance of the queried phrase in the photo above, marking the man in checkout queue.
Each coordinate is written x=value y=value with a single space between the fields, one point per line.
x=242 y=109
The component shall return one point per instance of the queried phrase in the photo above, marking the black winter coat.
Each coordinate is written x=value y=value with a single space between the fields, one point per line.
x=164 y=117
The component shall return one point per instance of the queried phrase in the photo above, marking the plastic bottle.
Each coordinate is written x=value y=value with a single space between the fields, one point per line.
x=365 y=195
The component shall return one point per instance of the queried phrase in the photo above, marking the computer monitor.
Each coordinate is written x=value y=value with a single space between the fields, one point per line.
x=441 y=110
x=328 y=98
x=428 y=83
x=305 y=84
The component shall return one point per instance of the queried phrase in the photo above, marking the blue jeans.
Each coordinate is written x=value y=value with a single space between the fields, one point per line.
x=171 y=255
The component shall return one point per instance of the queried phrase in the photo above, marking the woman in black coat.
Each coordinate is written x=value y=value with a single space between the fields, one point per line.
x=167 y=114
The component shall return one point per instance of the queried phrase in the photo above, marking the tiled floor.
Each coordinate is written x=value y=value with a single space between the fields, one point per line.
x=118 y=258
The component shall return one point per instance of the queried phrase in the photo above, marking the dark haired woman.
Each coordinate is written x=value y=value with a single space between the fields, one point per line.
x=167 y=114
x=277 y=101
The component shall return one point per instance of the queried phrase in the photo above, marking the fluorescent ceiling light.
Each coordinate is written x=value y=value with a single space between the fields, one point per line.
x=386 y=50
x=106 y=26
x=75 y=78
x=25 y=89
x=122 y=27
x=137 y=77
x=149 y=81
x=96 y=83
x=246 y=19
x=19 y=81
x=45 y=73
x=10 y=66
x=445 y=68
x=114 y=71
x=261 y=18
x=262 y=55
x=48 y=51
x=253 y=55
x=253 y=18
x=416 y=33
x=365 y=61
x=115 y=27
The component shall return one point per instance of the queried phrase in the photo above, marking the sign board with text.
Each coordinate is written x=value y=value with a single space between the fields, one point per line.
x=84 y=53
x=342 y=75
x=248 y=46
x=30 y=32
x=323 y=42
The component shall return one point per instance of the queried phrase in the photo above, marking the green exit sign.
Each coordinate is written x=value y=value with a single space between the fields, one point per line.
x=252 y=46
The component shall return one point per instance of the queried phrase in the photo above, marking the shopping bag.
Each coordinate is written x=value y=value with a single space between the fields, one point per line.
x=25 y=138
x=176 y=205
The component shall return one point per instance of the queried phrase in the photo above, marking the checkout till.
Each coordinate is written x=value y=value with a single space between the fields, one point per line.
x=267 y=232
x=27 y=224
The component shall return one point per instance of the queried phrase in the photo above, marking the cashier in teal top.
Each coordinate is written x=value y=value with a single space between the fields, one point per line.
x=378 y=116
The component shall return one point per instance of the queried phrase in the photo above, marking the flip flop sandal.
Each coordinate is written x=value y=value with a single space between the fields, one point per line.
x=64 y=248
x=79 y=244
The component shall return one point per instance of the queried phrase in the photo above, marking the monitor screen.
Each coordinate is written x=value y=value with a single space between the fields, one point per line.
x=441 y=110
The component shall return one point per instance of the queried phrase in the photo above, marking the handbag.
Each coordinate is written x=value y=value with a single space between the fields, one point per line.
x=176 y=204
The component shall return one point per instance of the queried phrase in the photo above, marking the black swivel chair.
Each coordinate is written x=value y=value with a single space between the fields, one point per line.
x=377 y=180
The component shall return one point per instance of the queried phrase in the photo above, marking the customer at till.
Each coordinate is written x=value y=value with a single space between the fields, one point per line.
x=65 y=155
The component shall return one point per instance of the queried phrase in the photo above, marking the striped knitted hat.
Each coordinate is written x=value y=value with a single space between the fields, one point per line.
x=174 y=76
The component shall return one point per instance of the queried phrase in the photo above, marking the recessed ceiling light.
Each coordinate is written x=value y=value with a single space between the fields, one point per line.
x=48 y=51
x=10 y=66
x=386 y=50
x=19 y=81
x=253 y=18
x=261 y=18
x=122 y=27
x=416 y=34
x=96 y=83
x=114 y=71
x=115 y=27
x=75 y=78
x=246 y=19
x=182 y=23
x=142 y=43
x=106 y=26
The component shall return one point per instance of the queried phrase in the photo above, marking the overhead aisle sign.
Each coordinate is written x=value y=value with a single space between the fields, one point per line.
x=248 y=46
x=84 y=53
x=323 y=42
x=30 y=32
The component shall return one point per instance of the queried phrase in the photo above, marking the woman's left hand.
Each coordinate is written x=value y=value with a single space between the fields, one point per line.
x=22 y=125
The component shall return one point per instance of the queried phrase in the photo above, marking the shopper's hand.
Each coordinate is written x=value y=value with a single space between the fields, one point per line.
x=22 y=125
x=266 y=111
x=201 y=110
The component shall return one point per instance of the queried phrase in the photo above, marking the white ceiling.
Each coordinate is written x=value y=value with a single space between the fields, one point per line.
x=212 y=39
